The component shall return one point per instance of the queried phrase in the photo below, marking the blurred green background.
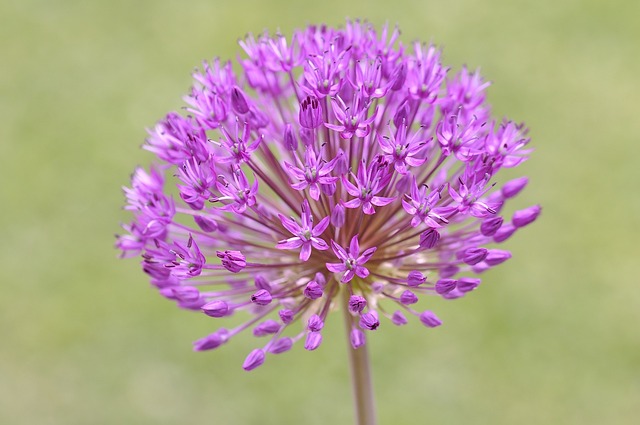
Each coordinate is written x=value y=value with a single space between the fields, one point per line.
x=551 y=338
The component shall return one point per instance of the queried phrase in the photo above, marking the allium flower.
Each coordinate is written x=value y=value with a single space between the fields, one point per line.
x=338 y=168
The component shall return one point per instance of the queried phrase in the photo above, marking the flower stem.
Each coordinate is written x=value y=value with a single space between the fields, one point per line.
x=360 y=374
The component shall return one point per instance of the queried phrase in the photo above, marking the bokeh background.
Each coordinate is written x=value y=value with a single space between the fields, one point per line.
x=552 y=336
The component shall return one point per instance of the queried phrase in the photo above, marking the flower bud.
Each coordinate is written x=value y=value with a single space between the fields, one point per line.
x=313 y=341
x=415 y=278
x=473 y=256
x=281 y=345
x=429 y=319
x=445 y=285
x=398 y=318
x=504 y=232
x=262 y=297
x=290 y=140
x=205 y=223
x=357 y=304
x=513 y=187
x=429 y=238
x=211 y=341
x=490 y=226
x=338 y=216
x=286 y=316
x=408 y=297
x=526 y=216
x=313 y=290
x=357 y=338
x=186 y=293
x=267 y=327
x=342 y=165
x=310 y=113
x=262 y=283
x=239 y=101
x=254 y=359
x=369 y=321
x=216 y=308
x=467 y=284
x=399 y=77
x=315 y=323
x=497 y=256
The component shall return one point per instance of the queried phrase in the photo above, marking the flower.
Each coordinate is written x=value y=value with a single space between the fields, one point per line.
x=338 y=138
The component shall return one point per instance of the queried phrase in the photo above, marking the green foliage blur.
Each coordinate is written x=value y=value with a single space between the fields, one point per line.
x=551 y=337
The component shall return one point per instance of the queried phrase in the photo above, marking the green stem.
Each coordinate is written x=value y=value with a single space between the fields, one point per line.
x=360 y=373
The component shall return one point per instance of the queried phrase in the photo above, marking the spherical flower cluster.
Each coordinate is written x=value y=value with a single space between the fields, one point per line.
x=339 y=167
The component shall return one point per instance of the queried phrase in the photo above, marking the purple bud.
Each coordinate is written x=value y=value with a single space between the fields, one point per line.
x=453 y=294
x=398 y=318
x=262 y=283
x=186 y=293
x=168 y=293
x=408 y=297
x=491 y=226
x=216 y=308
x=310 y=113
x=342 y=165
x=307 y=136
x=429 y=319
x=320 y=279
x=429 y=238
x=504 y=233
x=338 y=216
x=290 y=140
x=205 y=223
x=445 y=285
x=357 y=338
x=281 y=345
x=267 y=327
x=315 y=323
x=497 y=256
x=473 y=256
x=313 y=291
x=313 y=341
x=467 y=284
x=238 y=101
x=233 y=261
x=401 y=114
x=262 y=297
x=448 y=271
x=211 y=341
x=377 y=287
x=254 y=359
x=328 y=188
x=415 y=278
x=286 y=316
x=403 y=185
x=369 y=321
x=513 y=187
x=526 y=216
x=399 y=77
x=357 y=304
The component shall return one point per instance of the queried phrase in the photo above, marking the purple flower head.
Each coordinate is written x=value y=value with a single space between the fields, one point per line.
x=338 y=138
